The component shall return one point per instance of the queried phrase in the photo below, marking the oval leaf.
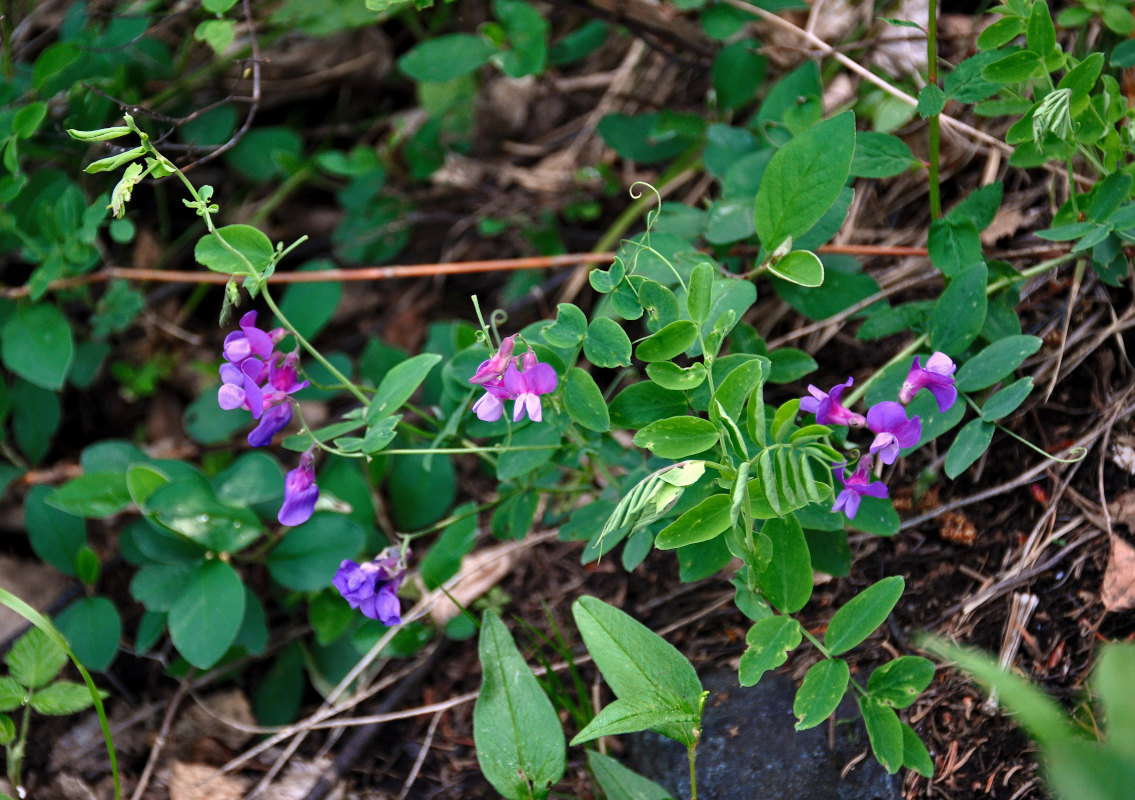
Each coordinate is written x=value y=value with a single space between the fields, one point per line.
x=671 y=341
x=802 y=267
x=677 y=437
x=787 y=578
x=995 y=362
x=820 y=693
x=769 y=643
x=36 y=343
x=706 y=520
x=584 y=402
x=206 y=617
x=862 y=614
x=519 y=739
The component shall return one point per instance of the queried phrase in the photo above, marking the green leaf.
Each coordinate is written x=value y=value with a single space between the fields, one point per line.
x=620 y=783
x=399 y=384
x=191 y=509
x=649 y=138
x=62 y=698
x=99 y=495
x=738 y=71
x=443 y=559
x=444 y=58
x=217 y=33
x=972 y=440
x=309 y=554
x=520 y=743
x=802 y=267
x=584 y=402
x=634 y=660
x=671 y=341
x=959 y=313
x=820 y=693
x=790 y=364
x=641 y=403
x=862 y=614
x=142 y=480
x=1015 y=67
x=607 y=344
x=658 y=711
x=1007 y=400
x=700 y=292
x=205 y=619
x=885 y=732
x=914 y=753
x=709 y=518
x=55 y=536
x=569 y=328
x=515 y=463
x=527 y=32
x=880 y=155
x=248 y=250
x=787 y=579
x=1040 y=35
x=93 y=627
x=35 y=659
x=739 y=385
x=1000 y=33
x=36 y=343
x=668 y=375
x=954 y=244
x=12 y=695
x=804 y=179
x=995 y=362
x=1082 y=78
x=1112 y=680
x=931 y=101
x=899 y=682
x=769 y=642
x=677 y=437
x=253 y=478
x=26 y=121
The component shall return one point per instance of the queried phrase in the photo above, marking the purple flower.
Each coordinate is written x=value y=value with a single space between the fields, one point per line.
x=491 y=371
x=372 y=587
x=892 y=429
x=828 y=409
x=856 y=486
x=300 y=492
x=275 y=419
x=248 y=341
x=490 y=406
x=937 y=376
x=526 y=387
x=240 y=388
x=284 y=379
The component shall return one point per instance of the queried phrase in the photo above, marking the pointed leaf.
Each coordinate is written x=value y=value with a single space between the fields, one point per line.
x=862 y=614
x=820 y=693
x=769 y=642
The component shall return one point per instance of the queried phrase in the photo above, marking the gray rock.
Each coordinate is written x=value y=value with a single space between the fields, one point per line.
x=750 y=751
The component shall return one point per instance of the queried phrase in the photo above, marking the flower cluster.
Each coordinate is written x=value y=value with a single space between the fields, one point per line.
x=260 y=379
x=521 y=379
x=887 y=420
x=372 y=587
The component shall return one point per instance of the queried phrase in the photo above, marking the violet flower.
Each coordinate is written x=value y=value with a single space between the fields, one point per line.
x=893 y=431
x=240 y=388
x=248 y=341
x=828 y=409
x=275 y=419
x=492 y=370
x=300 y=492
x=372 y=587
x=526 y=387
x=937 y=376
x=490 y=406
x=855 y=487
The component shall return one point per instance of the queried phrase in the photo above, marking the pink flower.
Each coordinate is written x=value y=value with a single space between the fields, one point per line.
x=526 y=387
x=492 y=370
x=937 y=376
x=300 y=492
x=855 y=487
x=490 y=406
x=893 y=431
x=248 y=341
x=828 y=409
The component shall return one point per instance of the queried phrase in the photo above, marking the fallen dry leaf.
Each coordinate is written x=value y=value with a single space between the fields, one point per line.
x=202 y=782
x=35 y=583
x=1119 y=579
x=479 y=572
x=215 y=717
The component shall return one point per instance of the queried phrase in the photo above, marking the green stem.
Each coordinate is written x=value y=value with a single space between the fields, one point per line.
x=933 y=132
x=691 y=754
x=852 y=398
x=306 y=345
x=294 y=181
x=635 y=210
